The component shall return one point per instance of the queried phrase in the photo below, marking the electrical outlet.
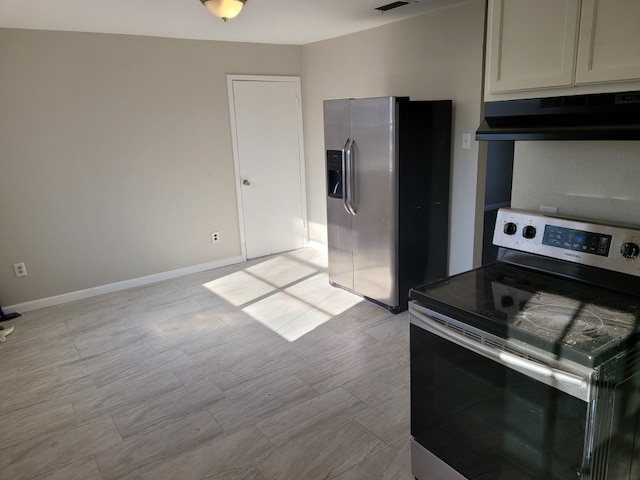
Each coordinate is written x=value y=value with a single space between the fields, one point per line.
x=466 y=141
x=215 y=237
x=20 y=269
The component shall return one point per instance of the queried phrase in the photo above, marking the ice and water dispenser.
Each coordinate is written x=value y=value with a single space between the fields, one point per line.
x=334 y=173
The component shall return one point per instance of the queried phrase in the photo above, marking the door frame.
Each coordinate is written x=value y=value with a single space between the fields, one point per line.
x=236 y=158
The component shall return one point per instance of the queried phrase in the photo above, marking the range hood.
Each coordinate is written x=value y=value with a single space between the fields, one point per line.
x=602 y=116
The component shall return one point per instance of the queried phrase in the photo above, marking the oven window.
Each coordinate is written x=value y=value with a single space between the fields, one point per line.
x=489 y=422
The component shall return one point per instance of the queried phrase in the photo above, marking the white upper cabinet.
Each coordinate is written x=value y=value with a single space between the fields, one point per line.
x=561 y=47
x=531 y=44
x=609 y=45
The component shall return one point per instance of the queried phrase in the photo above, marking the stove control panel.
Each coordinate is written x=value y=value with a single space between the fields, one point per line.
x=574 y=240
x=577 y=240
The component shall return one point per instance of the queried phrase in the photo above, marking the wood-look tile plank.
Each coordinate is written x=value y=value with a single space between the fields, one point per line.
x=377 y=386
x=255 y=365
x=226 y=457
x=323 y=344
x=206 y=298
x=174 y=404
x=197 y=326
x=324 y=373
x=360 y=316
x=83 y=469
x=201 y=320
x=157 y=296
x=329 y=409
x=386 y=326
x=213 y=355
x=108 y=337
x=157 y=444
x=116 y=358
x=34 y=355
x=41 y=386
x=320 y=454
x=126 y=393
x=30 y=333
x=151 y=295
x=198 y=279
x=255 y=400
x=79 y=308
x=96 y=318
x=248 y=473
x=149 y=317
x=37 y=316
x=389 y=421
x=57 y=449
x=244 y=338
x=231 y=356
x=29 y=422
x=7 y=373
x=392 y=463
x=237 y=318
x=140 y=367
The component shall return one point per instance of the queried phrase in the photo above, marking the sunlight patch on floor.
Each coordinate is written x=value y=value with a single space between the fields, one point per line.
x=286 y=315
x=272 y=293
x=318 y=292
x=281 y=271
x=240 y=288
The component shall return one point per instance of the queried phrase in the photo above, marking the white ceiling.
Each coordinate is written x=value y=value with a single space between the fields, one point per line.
x=294 y=22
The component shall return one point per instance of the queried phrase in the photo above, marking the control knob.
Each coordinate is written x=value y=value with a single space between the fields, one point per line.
x=629 y=250
x=529 y=231
x=510 y=228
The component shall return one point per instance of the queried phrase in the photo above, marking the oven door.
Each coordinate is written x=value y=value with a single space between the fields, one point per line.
x=490 y=413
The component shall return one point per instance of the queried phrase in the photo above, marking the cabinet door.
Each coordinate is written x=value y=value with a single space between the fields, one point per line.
x=609 y=47
x=531 y=44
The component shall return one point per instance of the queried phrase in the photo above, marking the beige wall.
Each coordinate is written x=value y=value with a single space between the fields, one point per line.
x=115 y=156
x=434 y=56
x=595 y=179
x=115 y=151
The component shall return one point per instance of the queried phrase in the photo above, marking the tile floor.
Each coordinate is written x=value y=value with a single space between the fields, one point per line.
x=258 y=371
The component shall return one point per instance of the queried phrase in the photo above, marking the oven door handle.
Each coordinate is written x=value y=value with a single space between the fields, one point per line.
x=575 y=385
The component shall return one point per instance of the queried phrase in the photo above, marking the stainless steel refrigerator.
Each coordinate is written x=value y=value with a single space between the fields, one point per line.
x=388 y=169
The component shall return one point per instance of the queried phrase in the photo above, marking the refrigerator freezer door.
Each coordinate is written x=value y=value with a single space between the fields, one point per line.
x=337 y=119
x=375 y=199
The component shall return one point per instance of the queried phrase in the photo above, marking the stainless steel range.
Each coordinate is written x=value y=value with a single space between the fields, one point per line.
x=529 y=368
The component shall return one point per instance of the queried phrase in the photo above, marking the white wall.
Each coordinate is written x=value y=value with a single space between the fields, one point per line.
x=591 y=179
x=115 y=156
x=434 y=56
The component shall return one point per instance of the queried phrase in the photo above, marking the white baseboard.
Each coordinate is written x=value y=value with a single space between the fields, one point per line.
x=117 y=286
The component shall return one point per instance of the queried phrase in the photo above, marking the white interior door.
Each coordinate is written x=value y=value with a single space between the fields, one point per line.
x=266 y=123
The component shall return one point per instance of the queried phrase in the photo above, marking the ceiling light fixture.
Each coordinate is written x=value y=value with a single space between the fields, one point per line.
x=224 y=9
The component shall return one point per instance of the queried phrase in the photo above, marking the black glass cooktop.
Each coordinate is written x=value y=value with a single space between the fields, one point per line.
x=567 y=318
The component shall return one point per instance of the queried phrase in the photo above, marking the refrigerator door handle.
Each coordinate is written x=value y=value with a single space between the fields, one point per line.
x=347 y=168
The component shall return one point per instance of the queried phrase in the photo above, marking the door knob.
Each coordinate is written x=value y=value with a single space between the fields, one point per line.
x=246 y=182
